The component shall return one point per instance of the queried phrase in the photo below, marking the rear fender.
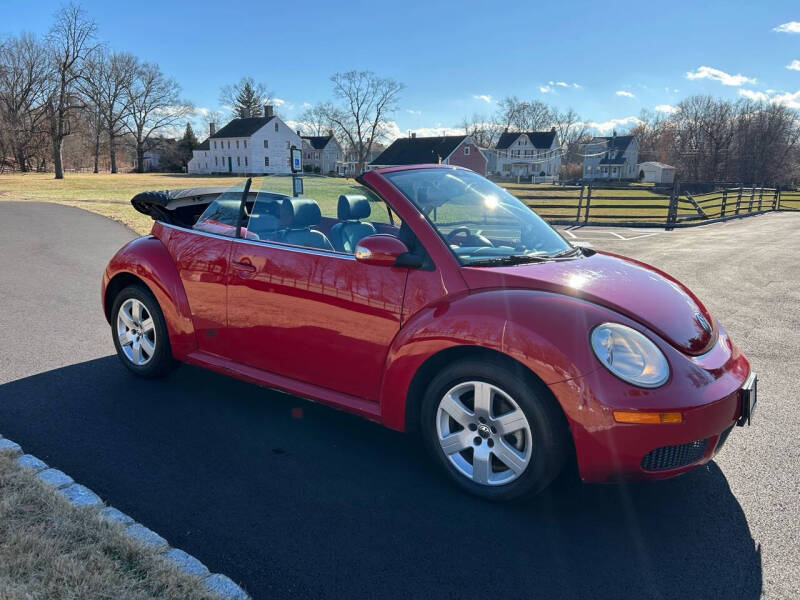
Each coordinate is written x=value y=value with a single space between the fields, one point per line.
x=149 y=261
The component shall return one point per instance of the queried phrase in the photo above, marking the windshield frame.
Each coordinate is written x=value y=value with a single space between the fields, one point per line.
x=388 y=174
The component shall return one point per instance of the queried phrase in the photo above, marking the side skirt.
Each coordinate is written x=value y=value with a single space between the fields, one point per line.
x=364 y=408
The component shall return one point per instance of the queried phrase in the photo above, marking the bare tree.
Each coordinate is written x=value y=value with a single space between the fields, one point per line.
x=519 y=115
x=572 y=133
x=483 y=130
x=245 y=98
x=69 y=43
x=23 y=72
x=316 y=119
x=367 y=100
x=153 y=106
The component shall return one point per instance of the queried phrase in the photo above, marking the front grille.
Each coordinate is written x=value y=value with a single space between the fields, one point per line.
x=672 y=457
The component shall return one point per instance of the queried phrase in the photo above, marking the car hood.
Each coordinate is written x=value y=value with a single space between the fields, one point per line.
x=638 y=291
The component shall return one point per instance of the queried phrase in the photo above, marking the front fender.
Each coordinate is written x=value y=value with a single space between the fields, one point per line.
x=147 y=259
x=546 y=332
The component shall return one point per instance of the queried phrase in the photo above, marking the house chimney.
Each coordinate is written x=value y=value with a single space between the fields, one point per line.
x=268 y=110
x=212 y=128
x=330 y=132
x=298 y=132
x=413 y=134
x=553 y=129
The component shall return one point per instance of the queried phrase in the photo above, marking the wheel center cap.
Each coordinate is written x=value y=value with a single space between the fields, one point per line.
x=483 y=431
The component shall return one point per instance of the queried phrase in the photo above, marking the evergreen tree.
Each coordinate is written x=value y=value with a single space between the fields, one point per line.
x=186 y=144
x=246 y=98
x=248 y=104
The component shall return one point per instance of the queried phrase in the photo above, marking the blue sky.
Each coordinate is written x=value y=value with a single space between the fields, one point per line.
x=457 y=58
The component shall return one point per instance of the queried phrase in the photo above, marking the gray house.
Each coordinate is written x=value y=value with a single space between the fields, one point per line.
x=321 y=153
x=611 y=158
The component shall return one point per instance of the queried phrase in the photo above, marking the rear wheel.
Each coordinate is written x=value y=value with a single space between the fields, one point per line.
x=140 y=333
x=495 y=430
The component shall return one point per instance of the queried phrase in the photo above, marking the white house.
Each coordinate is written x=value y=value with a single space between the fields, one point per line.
x=254 y=145
x=655 y=172
x=611 y=158
x=526 y=154
x=321 y=153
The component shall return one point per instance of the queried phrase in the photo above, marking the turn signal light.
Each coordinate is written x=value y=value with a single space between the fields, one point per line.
x=652 y=418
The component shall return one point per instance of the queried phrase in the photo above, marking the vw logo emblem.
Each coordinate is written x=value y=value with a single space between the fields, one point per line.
x=703 y=322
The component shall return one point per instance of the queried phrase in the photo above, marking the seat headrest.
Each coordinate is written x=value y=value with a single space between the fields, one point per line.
x=300 y=213
x=352 y=207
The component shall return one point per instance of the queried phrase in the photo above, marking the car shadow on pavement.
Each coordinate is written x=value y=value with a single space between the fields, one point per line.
x=291 y=498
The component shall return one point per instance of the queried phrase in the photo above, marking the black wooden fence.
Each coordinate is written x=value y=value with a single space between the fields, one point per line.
x=639 y=206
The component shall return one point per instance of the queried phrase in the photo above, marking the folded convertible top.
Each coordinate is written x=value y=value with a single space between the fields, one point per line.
x=155 y=202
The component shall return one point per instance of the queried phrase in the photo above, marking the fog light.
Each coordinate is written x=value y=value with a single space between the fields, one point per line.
x=652 y=418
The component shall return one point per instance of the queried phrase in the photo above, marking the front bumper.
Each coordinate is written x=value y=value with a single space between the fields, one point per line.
x=705 y=390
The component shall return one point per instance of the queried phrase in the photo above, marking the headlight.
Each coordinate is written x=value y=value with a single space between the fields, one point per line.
x=629 y=355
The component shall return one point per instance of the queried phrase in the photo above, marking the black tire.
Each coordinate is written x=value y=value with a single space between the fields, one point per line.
x=548 y=426
x=161 y=361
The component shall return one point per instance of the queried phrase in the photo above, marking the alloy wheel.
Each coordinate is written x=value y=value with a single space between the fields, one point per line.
x=484 y=433
x=136 y=332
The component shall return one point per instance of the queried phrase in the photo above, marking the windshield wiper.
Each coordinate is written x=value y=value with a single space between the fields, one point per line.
x=567 y=252
x=513 y=259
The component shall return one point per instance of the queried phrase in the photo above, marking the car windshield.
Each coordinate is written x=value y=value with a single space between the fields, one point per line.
x=481 y=222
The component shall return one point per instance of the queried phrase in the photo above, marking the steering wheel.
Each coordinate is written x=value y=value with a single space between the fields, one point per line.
x=469 y=238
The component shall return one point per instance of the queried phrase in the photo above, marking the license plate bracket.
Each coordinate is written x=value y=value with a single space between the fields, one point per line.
x=749 y=396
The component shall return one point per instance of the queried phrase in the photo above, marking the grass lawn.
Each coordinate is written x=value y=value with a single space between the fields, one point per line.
x=52 y=549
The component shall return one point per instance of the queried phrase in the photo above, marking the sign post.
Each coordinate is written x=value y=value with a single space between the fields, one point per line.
x=297 y=167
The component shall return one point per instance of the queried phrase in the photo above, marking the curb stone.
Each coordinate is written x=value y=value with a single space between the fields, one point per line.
x=82 y=496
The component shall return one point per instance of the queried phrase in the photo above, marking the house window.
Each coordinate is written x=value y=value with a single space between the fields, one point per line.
x=245 y=161
x=215 y=160
x=238 y=161
x=266 y=143
x=466 y=150
x=287 y=145
x=276 y=126
x=237 y=144
x=266 y=161
x=245 y=144
x=215 y=145
x=229 y=144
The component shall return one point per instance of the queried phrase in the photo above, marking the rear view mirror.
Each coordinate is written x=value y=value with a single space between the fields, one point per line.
x=381 y=250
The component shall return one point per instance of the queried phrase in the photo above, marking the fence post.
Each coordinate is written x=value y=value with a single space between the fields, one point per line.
x=672 y=211
x=760 y=196
x=724 y=203
x=588 y=203
x=776 y=201
x=580 y=202
x=752 y=198
x=739 y=200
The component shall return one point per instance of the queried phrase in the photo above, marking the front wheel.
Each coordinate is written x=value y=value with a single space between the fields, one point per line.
x=495 y=430
x=140 y=333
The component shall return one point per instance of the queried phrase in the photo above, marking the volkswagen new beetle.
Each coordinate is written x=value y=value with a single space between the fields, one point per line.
x=429 y=299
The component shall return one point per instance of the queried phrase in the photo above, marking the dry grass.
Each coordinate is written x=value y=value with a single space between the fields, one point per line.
x=52 y=550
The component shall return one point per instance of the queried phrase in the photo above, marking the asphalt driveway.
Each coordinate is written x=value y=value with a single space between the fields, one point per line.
x=293 y=499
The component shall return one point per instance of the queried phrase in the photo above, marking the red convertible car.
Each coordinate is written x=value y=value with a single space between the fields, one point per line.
x=428 y=298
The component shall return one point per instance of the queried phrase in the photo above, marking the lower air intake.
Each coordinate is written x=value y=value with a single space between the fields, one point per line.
x=672 y=457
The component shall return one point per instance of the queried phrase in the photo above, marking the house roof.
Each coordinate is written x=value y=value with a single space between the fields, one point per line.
x=242 y=127
x=204 y=145
x=539 y=139
x=619 y=142
x=655 y=163
x=318 y=142
x=420 y=150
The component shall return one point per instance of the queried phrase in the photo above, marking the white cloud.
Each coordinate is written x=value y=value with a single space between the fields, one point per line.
x=721 y=76
x=202 y=111
x=605 y=126
x=278 y=102
x=393 y=131
x=625 y=94
x=562 y=84
x=794 y=65
x=666 y=108
x=411 y=111
x=484 y=97
x=576 y=85
x=753 y=95
x=792 y=100
x=545 y=89
x=306 y=105
x=790 y=27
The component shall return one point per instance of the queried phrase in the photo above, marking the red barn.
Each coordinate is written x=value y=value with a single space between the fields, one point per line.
x=457 y=150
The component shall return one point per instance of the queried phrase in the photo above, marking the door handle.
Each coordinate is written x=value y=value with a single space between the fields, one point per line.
x=244 y=265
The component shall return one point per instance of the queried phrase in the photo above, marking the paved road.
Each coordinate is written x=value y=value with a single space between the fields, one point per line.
x=322 y=504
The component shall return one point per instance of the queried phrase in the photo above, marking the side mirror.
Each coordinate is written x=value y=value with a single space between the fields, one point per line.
x=381 y=250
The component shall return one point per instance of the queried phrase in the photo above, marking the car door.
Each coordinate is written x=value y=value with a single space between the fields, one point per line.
x=312 y=314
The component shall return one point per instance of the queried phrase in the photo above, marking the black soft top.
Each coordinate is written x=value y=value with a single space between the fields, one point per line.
x=155 y=203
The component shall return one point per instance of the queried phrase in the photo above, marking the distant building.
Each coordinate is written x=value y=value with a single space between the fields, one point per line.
x=321 y=153
x=457 y=150
x=253 y=145
x=655 y=172
x=534 y=154
x=611 y=158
